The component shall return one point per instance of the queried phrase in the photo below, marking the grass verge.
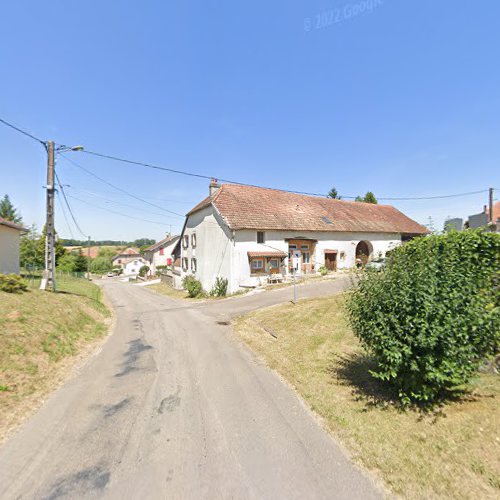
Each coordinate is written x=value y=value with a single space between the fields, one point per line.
x=452 y=453
x=41 y=334
x=164 y=289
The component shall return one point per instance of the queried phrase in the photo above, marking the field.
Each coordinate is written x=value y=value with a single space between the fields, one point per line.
x=453 y=452
x=41 y=336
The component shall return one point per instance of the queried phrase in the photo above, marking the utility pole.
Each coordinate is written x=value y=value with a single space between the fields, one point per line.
x=49 y=275
x=490 y=215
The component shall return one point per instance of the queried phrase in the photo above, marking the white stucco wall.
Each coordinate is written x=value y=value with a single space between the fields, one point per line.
x=162 y=260
x=9 y=250
x=246 y=241
x=134 y=266
x=213 y=251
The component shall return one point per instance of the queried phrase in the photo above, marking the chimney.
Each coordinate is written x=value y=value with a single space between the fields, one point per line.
x=214 y=187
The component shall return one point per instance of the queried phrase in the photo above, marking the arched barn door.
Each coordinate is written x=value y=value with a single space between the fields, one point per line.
x=364 y=251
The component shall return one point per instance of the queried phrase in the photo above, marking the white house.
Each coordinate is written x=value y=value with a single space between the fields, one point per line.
x=121 y=259
x=10 y=234
x=134 y=266
x=160 y=254
x=241 y=233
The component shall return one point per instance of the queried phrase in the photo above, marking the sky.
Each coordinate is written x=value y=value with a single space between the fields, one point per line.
x=397 y=97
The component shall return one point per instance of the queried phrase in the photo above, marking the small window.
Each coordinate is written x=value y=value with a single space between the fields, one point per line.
x=193 y=265
x=185 y=263
x=342 y=255
x=193 y=240
x=261 y=237
x=185 y=241
x=274 y=263
x=292 y=247
x=257 y=264
x=304 y=247
x=306 y=257
x=162 y=251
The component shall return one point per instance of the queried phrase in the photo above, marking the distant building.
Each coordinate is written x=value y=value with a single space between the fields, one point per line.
x=121 y=259
x=160 y=254
x=10 y=235
x=456 y=224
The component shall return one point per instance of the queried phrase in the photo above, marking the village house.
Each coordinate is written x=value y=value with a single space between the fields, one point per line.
x=160 y=254
x=245 y=234
x=10 y=235
x=124 y=258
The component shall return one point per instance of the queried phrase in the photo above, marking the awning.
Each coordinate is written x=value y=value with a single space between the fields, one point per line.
x=254 y=255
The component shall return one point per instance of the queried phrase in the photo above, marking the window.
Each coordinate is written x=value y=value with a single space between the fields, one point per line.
x=193 y=265
x=306 y=257
x=185 y=263
x=162 y=251
x=257 y=264
x=193 y=240
x=274 y=263
x=261 y=237
x=292 y=247
x=304 y=247
x=185 y=241
x=342 y=255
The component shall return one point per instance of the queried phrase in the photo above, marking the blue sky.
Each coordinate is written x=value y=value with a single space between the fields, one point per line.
x=401 y=98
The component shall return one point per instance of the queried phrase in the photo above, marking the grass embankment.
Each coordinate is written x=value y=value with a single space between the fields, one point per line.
x=164 y=289
x=453 y=453
x=40 y=335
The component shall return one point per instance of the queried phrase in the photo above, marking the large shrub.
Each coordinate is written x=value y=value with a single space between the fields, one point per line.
x=433 y=315
x=193 y=286
x=12 y=283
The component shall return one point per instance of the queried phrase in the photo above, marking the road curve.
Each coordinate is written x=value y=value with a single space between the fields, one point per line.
x=174 y=407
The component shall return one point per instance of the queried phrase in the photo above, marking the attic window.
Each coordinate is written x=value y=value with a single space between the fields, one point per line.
x=261 y=237
x=326 y=220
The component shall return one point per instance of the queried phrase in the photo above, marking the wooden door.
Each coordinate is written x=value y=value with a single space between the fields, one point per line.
x=331 y=261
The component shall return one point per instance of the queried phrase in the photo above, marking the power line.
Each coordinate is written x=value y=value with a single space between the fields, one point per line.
x=65 y=215
x=84 y=191
x=89 y=172
x=27 y=134
x=114 y=212
x=201 y=176
x=69 y=208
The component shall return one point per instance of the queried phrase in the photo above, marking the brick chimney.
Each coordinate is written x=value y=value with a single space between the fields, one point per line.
x=214 y=187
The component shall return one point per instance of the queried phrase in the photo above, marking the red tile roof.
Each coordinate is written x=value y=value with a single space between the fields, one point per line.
x=13 y=225
x=267 y=254
x=244 y=207
x=161 y=243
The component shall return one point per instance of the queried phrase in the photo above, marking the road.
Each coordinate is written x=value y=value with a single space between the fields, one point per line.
x=173 y=406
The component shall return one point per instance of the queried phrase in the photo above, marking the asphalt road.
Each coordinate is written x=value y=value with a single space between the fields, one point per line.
x=174 y=407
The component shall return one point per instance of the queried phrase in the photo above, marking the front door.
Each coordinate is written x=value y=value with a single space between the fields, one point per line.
x=331 y=261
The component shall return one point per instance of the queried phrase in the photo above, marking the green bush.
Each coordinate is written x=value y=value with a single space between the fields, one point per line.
x=12 y=283
x=193 y=286
x=220 y=287
x=323 y=271
x=433 y=315
x=143 y=271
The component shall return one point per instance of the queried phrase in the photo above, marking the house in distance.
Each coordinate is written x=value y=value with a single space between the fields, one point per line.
x=241 y=233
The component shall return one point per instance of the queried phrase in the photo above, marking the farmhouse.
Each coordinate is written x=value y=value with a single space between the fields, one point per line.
x=244 y=233
x=10 y=234
x=160 y=254
x=121 y=259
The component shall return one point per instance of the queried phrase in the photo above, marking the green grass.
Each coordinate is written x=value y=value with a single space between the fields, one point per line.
x=39 y=332
x=451 y=453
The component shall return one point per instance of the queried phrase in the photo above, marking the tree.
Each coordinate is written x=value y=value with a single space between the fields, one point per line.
x=9 y=212
x=143 y=241
x=67 y=263
x=334 y=194
x=369 y=197
x=81 y=263
x=29 y=252
x=101 y=264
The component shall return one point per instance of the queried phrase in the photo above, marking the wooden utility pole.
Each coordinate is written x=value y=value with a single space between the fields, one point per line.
x=490 y=215
x=49 y=275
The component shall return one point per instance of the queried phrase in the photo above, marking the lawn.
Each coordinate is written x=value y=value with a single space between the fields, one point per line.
x=41 y=334
x=451 y=453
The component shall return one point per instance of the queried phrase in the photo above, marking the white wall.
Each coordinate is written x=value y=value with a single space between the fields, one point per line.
x=162 y=260
x=135 y=265
x=213 y=250
x=246 y=241
x=9 y=250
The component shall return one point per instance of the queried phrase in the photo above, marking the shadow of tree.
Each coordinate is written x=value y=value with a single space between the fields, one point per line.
x=354 y=371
